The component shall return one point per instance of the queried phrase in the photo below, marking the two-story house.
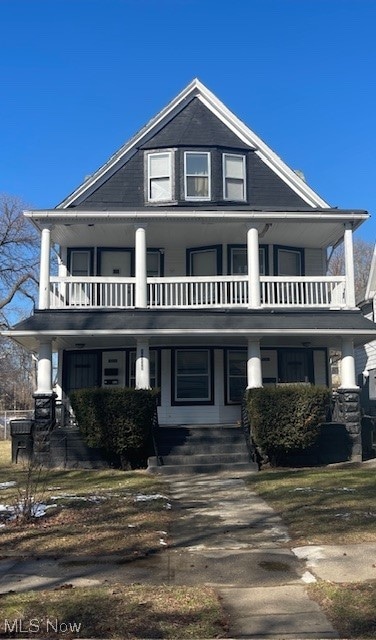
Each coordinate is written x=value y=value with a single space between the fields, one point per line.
x=194 y=260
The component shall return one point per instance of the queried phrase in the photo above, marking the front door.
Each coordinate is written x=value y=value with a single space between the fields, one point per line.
x=295 y=365
x=81 y=370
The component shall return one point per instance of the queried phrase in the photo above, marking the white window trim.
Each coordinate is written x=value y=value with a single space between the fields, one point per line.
x=151 y=154
x=234 y=155
x=186 y=154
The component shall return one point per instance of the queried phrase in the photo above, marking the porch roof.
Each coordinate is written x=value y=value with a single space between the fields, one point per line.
x=108 y=328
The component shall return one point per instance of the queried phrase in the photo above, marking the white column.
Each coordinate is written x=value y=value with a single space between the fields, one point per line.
x=44 y=368
x=140 y=267
x=44 y=272
x=254 y=369
x=254 y=299
x=348 y=376
x=142 y=364
x=349 y=266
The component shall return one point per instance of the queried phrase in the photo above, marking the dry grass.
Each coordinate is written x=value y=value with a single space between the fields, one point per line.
x=116 y=612
x=93 y=510
x=322 y=506
x=351 y=608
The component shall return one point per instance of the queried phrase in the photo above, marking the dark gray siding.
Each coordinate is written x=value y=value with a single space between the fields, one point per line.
x=194 y=127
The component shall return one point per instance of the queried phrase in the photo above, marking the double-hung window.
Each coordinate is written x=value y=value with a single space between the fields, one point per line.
x=193 y=376
x=234 y=187
x=159 y=187
x=197 y=175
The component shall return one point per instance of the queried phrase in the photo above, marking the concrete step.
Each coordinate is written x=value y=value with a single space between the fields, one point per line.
x=209 y=448
x=205 y=458
x=171 y=469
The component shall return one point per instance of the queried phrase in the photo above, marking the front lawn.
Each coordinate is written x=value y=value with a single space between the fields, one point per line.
x=322 y=506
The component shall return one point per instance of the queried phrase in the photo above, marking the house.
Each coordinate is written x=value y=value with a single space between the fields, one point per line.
x=194 y=260
x=365 y=354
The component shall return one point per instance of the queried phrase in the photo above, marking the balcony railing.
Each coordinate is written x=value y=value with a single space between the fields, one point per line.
x=197 y=292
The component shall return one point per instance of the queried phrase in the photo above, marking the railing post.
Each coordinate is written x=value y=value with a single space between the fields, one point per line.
x=253 y=261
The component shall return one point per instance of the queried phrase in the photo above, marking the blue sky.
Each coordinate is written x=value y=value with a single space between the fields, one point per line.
x=79 y=77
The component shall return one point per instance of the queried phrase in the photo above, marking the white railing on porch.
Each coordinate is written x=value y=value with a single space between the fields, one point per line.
x=198 y=292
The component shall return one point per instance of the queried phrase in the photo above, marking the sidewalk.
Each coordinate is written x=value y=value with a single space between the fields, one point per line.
x=227 y=537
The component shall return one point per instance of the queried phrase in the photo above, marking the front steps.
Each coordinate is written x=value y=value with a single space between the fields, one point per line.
x=68 y=450
x=201 y=449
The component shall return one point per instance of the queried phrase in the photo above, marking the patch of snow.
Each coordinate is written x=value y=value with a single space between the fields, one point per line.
x=311 y=554
x=143 y=497
x=308 y=577
x=343 y=515
x=6 y=485
x=162 y=542
x=167 y=505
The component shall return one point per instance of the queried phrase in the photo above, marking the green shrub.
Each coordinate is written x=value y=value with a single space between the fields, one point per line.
x=119 y=421
x=285 y=421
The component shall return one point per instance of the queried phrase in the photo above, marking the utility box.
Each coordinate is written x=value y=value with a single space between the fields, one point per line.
x=21 y=431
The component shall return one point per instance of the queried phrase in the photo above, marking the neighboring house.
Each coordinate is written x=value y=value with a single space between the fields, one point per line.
x=194 y=260
x=365 y=355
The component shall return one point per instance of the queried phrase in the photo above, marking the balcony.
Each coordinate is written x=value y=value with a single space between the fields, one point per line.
x=212 y=292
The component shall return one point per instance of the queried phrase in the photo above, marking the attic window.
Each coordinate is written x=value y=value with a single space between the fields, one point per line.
x=197 y=175
x=159 y=188
x=233 y=177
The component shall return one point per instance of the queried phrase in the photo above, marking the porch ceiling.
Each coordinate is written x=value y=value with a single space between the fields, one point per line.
x=311 y=229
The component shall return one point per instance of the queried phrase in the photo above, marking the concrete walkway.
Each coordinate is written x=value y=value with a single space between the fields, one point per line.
x=224 y=536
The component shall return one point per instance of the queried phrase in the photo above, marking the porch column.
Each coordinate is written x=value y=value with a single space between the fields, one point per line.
x=44 y=272
x=348 y=376
x=142 y=364
x=140 y=267
x=44 y=368
x=349 y=266
x=254 y=369
x=254 y=299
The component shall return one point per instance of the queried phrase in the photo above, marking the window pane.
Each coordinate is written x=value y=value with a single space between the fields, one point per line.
x=197 y=187
x=160 y=189
x=197 y=164
x=234 y=189
x=237 y=363
x=237 y=375
x=80 y=263
x=289 y=263
x=204 y=263
x=192 y=388
x=239 y=261
x=234 y=167
x=192 y=375
x=159 y=165
x=153 y=261
x=189 y=362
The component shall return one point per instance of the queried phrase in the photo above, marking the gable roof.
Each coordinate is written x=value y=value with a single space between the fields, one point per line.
x=238 y=129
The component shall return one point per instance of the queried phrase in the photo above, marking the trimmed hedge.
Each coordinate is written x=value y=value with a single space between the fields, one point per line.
x=285 y=421
x=119 y=421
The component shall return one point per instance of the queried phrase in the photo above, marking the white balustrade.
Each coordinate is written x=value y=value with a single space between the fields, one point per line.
x=197 y=292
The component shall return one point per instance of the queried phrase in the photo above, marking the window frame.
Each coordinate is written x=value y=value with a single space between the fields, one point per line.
x=90 y=253
x=225 y=177
x=175 y=401
x=186 y=175
x=170 y=176
x=263 y=250
x=228 y=351
x=297 y=250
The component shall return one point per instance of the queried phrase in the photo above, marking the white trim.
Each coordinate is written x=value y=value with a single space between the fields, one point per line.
x=189 y=175
x=244 y=178
x=182 y=215
x=197 y=89
x=153 y=154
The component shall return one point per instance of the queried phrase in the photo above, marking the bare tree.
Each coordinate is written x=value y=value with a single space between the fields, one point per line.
x=363 y=252
x=18 y=259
